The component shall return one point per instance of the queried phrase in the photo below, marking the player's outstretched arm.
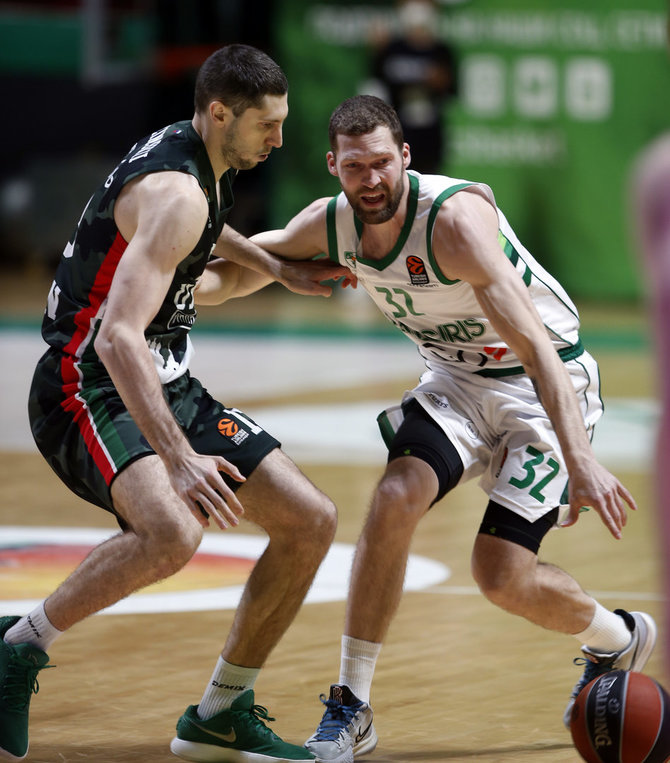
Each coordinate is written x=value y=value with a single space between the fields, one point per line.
x=466 y=248
x=223 y=280
x=258 y=253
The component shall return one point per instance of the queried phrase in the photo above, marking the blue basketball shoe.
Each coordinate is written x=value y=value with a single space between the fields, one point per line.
x=345 y=730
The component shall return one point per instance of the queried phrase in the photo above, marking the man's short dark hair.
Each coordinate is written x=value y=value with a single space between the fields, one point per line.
x=239 y=76
x=360 y=115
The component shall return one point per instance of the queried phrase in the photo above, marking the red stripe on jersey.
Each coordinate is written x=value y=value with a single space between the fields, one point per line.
x=75 y=348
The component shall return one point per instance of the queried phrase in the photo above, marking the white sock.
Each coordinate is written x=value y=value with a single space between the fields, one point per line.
x=34 y=629
x=357 y=665
x=228 y=682
x=607 y=632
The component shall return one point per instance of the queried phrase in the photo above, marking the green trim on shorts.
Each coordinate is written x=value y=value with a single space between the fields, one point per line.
x=385 y=428
x=565 y=353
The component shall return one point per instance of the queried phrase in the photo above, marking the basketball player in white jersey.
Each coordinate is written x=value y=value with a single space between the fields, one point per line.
x=508 y=395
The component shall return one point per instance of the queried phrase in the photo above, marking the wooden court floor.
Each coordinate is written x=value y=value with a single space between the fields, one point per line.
x=457 y=680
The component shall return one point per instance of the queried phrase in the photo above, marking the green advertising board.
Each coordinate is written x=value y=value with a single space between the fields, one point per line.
x=555 y=102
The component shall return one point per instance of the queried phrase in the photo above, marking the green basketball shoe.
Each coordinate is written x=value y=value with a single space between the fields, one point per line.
x=19 y=666
x=237 y=735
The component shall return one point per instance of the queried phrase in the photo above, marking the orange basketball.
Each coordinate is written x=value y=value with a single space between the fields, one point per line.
x=622 y=717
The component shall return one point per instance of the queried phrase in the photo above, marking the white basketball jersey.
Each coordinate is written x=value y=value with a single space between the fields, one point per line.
x=443 y=316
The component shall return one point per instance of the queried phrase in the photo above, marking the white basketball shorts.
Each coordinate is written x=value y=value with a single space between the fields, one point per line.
x=502 y=432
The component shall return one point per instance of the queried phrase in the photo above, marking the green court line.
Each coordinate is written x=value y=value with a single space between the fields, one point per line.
x=595 y=339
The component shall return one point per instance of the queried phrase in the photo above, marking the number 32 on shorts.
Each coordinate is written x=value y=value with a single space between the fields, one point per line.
x=538 y=483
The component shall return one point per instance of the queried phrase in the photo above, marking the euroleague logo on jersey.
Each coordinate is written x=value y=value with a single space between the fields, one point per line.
x=416 y=268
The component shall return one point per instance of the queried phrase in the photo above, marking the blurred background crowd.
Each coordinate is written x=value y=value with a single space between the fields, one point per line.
x=548 y=101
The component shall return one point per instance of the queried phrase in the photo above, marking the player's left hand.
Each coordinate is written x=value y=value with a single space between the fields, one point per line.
x=307 y=277
x=594 y=486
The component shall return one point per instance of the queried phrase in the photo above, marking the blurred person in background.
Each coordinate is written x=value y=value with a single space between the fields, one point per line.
x=416 y=74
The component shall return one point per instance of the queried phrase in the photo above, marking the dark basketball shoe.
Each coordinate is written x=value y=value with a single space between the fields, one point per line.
x=633 y=657
x=19 y=666
x=238 y=734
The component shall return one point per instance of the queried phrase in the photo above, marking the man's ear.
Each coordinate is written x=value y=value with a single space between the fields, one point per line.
x=219 y=113
x=332 y=164
x=406 y=155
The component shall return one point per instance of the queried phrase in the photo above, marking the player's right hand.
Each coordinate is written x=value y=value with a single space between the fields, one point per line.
x=306 y=276
x=199 y=483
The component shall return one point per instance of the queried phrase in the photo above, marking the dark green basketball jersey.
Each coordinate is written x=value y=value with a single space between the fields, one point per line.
x=78 y=295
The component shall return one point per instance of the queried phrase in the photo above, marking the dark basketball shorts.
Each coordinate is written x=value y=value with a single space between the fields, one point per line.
x=88 y=437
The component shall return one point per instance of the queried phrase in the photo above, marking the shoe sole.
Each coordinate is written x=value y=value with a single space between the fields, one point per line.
x=211 y=753
x=367 y=744
x=6 y=755
x=364 y=747
x=346 y=757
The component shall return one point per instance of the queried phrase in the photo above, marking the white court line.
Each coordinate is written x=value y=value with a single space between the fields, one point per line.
x=455 y=590
x=257 y=367
x=248 y=368
x=330 y=584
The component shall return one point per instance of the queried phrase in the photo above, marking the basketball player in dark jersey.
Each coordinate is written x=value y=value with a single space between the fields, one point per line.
x=116 y=413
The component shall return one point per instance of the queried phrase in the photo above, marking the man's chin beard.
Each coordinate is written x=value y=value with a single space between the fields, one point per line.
x=380 y=215
x=376 y=216
x=244 y=164
x=237 y=162
x=373 y=216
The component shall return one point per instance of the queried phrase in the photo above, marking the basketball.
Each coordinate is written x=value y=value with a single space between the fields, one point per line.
x=622 y=717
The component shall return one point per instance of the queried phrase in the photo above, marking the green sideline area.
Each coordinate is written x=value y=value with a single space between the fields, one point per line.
x=614 y=325
x=52 y=43
x=596 y=338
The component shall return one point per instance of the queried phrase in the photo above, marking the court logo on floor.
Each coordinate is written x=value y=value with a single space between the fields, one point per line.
x=34 y=560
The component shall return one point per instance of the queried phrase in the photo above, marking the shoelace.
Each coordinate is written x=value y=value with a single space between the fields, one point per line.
x=21 y=682
x=591 y=670
x=335 y=718
x=260 y=715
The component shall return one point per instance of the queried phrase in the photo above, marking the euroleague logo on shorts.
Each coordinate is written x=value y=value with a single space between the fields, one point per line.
x=231 y=429
x=227 y=427
x=417 y=270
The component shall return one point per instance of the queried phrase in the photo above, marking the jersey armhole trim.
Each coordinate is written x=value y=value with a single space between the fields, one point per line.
x=331 y=229
x=431 y=223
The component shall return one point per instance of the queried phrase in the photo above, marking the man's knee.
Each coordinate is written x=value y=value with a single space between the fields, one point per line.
x=326 y=519
x=166 y=532
x=502 y=569
x=315 y=520
x=287 y=505
x=400 y=499
x=170 y=544
x=498 y=584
